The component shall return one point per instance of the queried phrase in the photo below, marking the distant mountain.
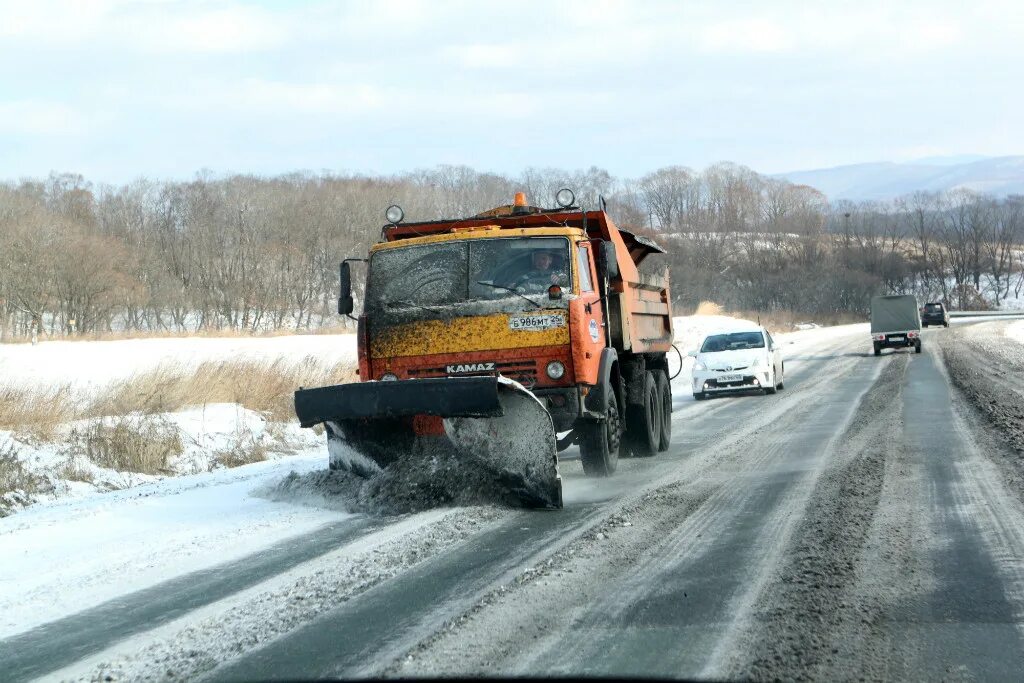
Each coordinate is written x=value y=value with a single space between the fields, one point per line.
x=998 y=176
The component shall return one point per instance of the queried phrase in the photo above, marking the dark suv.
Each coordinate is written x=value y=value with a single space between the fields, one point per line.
x=934 y=314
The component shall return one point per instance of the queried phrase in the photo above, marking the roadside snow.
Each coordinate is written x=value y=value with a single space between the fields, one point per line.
x=84 y=364
x=1015 y=331
x=63 y=557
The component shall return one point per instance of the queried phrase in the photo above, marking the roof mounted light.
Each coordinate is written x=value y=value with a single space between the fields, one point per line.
x=394 y=214
x=519 y=205
x=565 y=198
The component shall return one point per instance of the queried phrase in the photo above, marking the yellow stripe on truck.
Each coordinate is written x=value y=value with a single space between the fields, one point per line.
x=484 y=333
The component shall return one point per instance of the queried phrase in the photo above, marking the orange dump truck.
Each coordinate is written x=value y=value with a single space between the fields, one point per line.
x=491 y=335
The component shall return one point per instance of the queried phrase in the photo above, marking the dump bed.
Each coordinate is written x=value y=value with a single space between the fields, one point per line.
x=897 y=313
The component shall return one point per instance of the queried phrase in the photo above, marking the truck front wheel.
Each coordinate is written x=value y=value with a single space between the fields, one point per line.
x=599 y=442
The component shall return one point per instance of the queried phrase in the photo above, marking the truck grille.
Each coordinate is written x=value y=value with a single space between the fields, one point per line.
x=524 y=372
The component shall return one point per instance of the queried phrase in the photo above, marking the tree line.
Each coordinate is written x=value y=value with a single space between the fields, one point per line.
x=261 y=253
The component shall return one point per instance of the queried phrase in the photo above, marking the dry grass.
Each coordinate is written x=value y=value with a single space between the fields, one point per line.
x=17 y=484
x=708 y=308
x=133 y=443
x=264 y=387
x=245 y=450
x=72 y=469
x=36 y=412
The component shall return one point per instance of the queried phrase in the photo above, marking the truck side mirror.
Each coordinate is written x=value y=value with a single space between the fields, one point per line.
x=345 y=303
x=611 y=261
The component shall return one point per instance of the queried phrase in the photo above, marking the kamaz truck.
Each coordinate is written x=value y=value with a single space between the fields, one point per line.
x=503 y=338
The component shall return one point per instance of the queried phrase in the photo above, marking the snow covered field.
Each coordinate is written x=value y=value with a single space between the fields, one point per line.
x=100 y=363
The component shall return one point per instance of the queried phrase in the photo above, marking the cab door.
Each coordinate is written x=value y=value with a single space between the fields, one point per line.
x=586 y=317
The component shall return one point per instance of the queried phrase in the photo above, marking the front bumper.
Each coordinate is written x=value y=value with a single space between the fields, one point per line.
x=448 y=397
x=711 y=381
x=564 y=404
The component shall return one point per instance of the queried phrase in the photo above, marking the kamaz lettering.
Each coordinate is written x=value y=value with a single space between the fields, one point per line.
x=462 y=368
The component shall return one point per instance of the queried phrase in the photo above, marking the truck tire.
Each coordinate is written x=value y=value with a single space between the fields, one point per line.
x=599 y=441
x=945 y=324
x=665 y=397
x=878 y=349
x=643 y=426
x=917 y=346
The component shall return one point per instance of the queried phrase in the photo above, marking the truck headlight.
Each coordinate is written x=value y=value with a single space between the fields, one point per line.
x=555 y=370
x=388 y=377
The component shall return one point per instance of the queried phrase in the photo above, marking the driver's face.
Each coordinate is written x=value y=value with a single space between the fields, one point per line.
x=542 y=260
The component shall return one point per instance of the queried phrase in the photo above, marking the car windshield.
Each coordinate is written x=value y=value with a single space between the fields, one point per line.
x=732 y=342
x=449 y=272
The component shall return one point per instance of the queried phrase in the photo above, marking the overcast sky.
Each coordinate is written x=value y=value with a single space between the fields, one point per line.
x=114 y=90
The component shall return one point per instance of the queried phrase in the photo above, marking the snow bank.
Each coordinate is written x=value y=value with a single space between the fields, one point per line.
x=1015 y=331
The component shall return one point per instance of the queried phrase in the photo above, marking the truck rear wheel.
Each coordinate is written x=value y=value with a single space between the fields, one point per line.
x=917 y=346
x=599 y=441
x=665 y=396
x=643 y=426
x=878 y=349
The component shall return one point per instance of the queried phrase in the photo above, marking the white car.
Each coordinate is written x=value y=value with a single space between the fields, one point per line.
x=741 y=360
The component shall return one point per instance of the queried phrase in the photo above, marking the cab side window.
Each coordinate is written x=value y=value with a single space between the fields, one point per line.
x=583 y=263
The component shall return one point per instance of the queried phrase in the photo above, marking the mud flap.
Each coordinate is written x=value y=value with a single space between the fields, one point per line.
x=490 y=424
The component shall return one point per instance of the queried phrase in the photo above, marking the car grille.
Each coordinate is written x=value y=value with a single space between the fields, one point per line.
x=735 y=369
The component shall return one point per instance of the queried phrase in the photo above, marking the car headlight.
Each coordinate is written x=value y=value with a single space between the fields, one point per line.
x=388 y=377
x=555 y=370
x=699 y=365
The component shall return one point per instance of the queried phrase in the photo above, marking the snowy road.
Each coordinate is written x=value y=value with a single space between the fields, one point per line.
x=867 y=521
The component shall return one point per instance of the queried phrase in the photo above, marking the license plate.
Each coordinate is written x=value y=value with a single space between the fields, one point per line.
x=730 y=378
x=536 y=322
x=897 y=338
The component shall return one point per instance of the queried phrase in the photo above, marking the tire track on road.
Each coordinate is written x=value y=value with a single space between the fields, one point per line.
x=625 y=599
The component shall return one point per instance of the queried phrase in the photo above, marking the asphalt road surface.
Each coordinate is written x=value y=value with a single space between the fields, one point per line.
x=866 y=522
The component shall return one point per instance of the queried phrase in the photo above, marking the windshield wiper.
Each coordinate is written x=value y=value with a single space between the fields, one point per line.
x=509 y=289
x=403 y=302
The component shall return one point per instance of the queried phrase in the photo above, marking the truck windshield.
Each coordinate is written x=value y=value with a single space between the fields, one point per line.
x=732 y=342
x=449 y=272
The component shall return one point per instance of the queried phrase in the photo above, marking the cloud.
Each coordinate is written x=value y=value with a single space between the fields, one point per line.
x=228 y=29
x=145 y=27
x=28 y=117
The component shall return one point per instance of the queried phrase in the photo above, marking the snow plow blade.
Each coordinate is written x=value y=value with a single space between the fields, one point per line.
x=490 y=424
